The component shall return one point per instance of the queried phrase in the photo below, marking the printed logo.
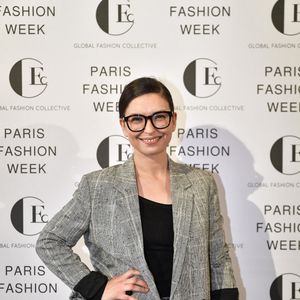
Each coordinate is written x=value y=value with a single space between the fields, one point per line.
x=201 y=78
x=285 y=155
x=28 y=215
x=115 y=17
x=286 y=287
x=27 y=78
x=113 y=150
x=286 y=16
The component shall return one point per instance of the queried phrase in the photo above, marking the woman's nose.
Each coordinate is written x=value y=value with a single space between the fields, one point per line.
x=149 y=127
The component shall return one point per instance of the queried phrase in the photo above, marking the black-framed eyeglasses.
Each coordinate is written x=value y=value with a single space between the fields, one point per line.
x=159 y=120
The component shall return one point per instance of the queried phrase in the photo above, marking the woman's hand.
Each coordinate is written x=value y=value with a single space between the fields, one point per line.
x=117 y=287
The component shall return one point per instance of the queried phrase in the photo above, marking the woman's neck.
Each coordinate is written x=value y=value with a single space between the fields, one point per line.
x=152 y=166
x=153 y=178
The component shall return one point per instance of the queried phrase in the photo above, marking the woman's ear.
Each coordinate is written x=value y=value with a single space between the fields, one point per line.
x=174 y=121
x=123 y=126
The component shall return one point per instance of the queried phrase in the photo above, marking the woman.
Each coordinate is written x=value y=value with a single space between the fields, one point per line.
x=153 y=227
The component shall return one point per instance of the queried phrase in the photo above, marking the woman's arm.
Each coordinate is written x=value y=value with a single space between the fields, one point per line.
x=222 y=278
x=56 y=240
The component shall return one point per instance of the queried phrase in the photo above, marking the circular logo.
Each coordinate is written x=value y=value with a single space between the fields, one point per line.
x=113 y=150
x=285 y=287
x=115 y=17
x=28 y=216
x=201 y=78
x=286 y=17
x=285 y=155
x=27 y=78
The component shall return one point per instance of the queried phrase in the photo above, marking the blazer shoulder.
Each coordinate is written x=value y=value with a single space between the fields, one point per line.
x=191 y=171
x=105 y=175
x=198 y=177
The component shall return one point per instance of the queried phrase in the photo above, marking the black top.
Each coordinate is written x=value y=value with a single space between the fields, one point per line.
x=158 y=236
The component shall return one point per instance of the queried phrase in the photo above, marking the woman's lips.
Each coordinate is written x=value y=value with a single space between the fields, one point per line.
x=150 y=141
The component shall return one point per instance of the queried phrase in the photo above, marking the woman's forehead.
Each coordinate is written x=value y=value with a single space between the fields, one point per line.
x=147 y=104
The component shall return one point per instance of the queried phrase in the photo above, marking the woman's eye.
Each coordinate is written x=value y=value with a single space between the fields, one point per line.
x=160 y=116
x=136 y=119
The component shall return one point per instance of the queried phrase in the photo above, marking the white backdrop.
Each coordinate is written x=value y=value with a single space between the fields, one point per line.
x=233 y=69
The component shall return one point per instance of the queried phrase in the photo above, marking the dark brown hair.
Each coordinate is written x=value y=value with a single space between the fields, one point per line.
x=142 y=86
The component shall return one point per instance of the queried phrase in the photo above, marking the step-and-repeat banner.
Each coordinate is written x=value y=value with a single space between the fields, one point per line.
x=233 y=69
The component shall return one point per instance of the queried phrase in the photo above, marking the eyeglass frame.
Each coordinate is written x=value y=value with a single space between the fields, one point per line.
x=146 y=118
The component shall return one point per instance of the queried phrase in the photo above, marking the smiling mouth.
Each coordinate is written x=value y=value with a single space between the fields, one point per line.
x=150 y=141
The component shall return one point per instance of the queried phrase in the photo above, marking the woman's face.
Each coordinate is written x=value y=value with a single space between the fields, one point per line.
x=150 y=141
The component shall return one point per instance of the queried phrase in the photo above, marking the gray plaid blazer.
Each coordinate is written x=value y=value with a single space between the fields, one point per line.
x=105 y=209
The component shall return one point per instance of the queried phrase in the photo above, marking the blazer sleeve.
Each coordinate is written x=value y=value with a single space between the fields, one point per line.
x=61 y=233
x=220 y=263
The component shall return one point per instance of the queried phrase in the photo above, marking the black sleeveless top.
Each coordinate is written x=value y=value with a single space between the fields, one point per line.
x=158 y=236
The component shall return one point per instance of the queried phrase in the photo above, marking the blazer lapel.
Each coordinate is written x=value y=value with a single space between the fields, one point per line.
x=126 y=184
x=182 y=210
